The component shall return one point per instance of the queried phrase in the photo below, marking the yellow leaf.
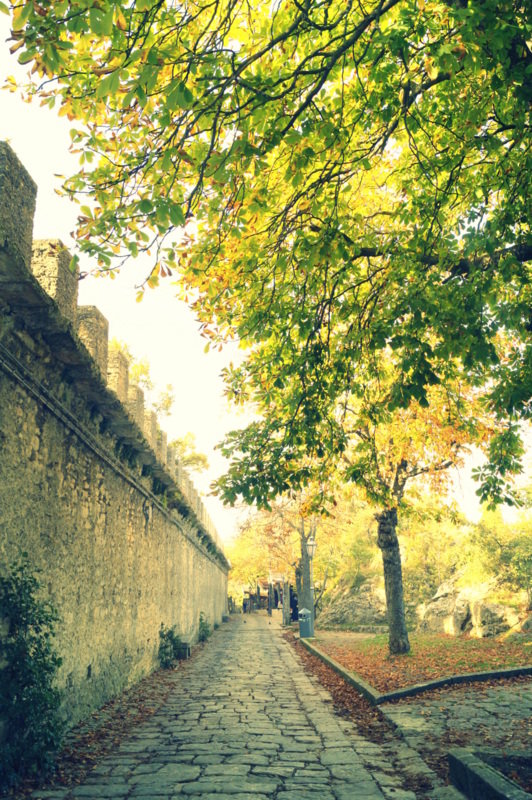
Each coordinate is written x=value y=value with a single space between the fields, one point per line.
x=430 y=68
x=121 y=20
x=17 y=46
x=20 y=16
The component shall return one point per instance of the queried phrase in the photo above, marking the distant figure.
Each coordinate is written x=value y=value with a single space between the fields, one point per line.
x=245 y=605
x=293 y=606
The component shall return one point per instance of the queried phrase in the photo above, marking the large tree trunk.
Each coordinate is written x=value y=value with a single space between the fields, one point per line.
x=393 y=581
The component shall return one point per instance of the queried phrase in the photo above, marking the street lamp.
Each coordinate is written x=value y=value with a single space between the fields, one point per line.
x=311 y=549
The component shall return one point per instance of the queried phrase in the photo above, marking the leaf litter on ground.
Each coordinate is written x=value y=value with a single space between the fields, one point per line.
x=432 y=656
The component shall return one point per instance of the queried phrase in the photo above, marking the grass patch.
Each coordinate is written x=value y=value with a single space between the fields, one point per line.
x=432 y=656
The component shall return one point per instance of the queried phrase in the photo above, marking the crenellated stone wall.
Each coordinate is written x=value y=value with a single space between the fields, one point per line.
x=88 y=487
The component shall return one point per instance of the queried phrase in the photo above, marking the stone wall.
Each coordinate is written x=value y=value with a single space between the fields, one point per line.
x=88 y=487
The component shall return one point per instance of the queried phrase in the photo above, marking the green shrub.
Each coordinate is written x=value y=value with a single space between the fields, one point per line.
x=29 y=701
x=169 y=646
x=204 y=628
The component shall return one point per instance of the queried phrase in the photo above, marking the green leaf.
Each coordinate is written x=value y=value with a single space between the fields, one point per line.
x=141 y=95
x=179 y=97
x=101 y=24
x=146 y=206
x=176 y=215
x=24 y=58
x=108 y=85
x=21 y=17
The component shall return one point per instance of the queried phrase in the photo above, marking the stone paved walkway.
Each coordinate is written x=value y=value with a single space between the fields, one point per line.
x=483 y=716
x=247 y=723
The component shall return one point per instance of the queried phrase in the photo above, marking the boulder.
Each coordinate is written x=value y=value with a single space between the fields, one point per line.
x=490 y=619
x=360 y=608
x=454 y=610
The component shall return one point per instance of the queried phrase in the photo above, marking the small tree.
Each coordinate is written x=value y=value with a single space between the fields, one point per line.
x=378 y=437
x=188 y=455
x=506 y=550
x=29 y=701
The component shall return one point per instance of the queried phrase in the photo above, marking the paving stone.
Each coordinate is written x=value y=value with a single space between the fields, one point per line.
x=229 y=787
x=253 y=759
x=350 y=772
x=101 y=791
x=339 y=756
x=368 y=791
x=276 y=771
x=208 y=759
x=167 y=776
x=304 y=793
x=219 y=796
x=227 y=769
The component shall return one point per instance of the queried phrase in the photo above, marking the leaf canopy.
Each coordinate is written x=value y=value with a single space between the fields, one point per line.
x=330 y=179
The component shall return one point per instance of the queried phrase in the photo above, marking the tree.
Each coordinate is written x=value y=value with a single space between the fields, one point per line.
x=332 y=181
x=505 y=550
x=360 y=439
x=302 y=162
x=276 y=540
x=188 y=455
x=160 y=400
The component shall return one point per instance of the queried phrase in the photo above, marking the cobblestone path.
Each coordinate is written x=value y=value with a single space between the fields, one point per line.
x=247 y=723
x=497 y=718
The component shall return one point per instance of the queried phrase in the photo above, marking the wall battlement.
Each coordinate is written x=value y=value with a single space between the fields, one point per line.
x=88 y=486
x=49 y=264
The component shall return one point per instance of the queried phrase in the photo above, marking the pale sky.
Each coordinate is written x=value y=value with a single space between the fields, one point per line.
x=161 y=328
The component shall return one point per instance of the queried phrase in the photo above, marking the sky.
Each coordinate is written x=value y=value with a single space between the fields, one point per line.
x=161 y=328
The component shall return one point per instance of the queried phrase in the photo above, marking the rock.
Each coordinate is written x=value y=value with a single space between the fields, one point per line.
x=358 y=608
x=490 y=619
x=454 y=610
x=526 y=624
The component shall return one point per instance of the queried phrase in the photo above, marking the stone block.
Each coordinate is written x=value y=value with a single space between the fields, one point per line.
x=93 y=330
x=171 y=460
x=162 y=446
x=50 y=265
x=135 y=404
x=17 y=207
x=150 y=428
x=118 y=375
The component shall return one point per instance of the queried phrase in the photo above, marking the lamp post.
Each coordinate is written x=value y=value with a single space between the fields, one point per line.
x=311 y=549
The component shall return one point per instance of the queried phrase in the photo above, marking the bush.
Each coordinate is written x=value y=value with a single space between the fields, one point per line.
x=169 y=646
x=204 y=628
x=29 y=701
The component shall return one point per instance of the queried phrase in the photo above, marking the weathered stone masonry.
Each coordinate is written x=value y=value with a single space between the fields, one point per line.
x=87 y=485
